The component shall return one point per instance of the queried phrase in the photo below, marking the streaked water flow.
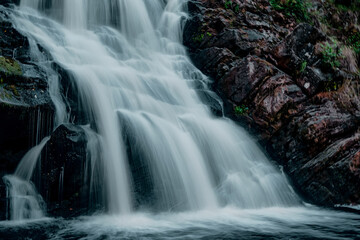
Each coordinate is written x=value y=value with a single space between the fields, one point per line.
x=151 y=140
x=138 y=93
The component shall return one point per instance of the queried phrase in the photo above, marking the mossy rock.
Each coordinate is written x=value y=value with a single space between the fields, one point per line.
x=10 y=66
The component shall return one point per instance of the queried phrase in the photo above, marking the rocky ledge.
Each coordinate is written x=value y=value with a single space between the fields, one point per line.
x=282 y=75
x=27 y=115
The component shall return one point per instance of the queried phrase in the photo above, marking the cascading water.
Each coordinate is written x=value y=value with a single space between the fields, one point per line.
x=25 y=202
x=138 y=90
x=149 y=136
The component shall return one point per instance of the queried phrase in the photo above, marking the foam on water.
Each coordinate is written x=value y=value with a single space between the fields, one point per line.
x=137 y=92
x=141 y=112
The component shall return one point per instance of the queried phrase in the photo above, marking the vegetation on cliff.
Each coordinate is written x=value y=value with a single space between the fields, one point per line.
x=288 y=70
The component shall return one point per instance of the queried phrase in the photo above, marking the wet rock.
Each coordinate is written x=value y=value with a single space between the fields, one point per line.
x=298 y=48
x=238 y=84
x=212 y=100
x=333 y=176
x=8 y=2
x=26 y=109
x=321 y=124
x=214 y=61
x=264 y=62
x=318 y=154
x=4 y=203
x=64 y=186
x=275 y=102
x=312 y=80
x=236 y=41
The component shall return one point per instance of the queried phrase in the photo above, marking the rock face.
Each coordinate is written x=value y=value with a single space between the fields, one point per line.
x=64 y=168
x=26 y=109
x=272 y=79
x=27 y=116
x=265 y=66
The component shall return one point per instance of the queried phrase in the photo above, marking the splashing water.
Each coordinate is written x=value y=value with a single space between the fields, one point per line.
x=138 y=93
x=25 y=202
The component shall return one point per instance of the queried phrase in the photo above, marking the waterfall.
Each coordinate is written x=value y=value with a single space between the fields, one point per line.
x=25 y=202
x=139 y=91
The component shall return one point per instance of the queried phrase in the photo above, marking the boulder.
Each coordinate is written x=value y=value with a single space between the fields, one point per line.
x=241 y=81
x=64 y=184
x=214 y=62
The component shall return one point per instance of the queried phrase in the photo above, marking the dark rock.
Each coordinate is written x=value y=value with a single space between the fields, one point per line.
x=264 y=61
x=63 y=184
x=6 y=3
x=298 y=48
x=236 y=41
x=276 y=100
x=318 y=154
x=344 y=2
x=333 y=176
x=26 y=109
x=312 y=80
x=255 y=21
x=195 y=7
x=214 y=61
x=13 y=44
x=321 y=124
x=4 y=203
x=241 y=81
x=212 y=100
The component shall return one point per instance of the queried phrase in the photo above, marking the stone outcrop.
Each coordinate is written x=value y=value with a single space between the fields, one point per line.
x=274 y=80
x=64 y=168
x=26 y=108
x=27 y=115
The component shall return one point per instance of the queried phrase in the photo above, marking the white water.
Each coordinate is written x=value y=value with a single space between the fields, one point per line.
x=25 y=202
x=227 y=223
x=136 y=84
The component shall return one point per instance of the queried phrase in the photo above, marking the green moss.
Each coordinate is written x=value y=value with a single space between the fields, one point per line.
x=303 y=66
x=201 y=36
x=331 y=54
x=354 y=6
x=354 y=41
x=230 y=5
x=241 y=110
x=4 y=94
x=14 y=90
x=10 y=66
x=332 y=85
x=293 y=8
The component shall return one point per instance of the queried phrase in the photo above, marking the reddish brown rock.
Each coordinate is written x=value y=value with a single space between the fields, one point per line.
x=332 y=177
x=242 y=80
x=277 y=100
x=214 y=62
x=262 y=60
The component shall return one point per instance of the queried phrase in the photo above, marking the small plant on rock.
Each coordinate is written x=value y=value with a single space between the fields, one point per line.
x=199 y=38
x=292 y=8
x=241 y=110
x=228 y=4
x=303 y=66
x=331 y=54
x=354 y=41
x=10 y=66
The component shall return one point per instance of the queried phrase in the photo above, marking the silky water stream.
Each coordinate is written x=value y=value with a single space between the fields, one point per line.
x=138 y=89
